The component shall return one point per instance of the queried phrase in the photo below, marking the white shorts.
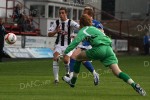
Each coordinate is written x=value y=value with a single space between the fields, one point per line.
x=60 y=49
x=85 y=47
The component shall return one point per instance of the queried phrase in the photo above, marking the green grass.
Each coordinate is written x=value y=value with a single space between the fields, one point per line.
x=33 y=80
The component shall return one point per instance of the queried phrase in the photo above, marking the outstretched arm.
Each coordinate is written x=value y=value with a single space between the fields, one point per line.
x=80 y=37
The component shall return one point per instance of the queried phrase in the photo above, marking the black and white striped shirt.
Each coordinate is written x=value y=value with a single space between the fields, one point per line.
x=63 y=38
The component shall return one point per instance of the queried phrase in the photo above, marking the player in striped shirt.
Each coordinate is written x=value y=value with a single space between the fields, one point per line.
x=64 y=29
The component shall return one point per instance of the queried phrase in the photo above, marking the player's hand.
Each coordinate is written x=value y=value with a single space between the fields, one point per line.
x=58 y=29
x=66 y=59
x=64 y=56
x=73 y=36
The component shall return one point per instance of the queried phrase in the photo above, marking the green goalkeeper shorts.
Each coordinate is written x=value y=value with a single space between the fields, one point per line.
x=103 y=53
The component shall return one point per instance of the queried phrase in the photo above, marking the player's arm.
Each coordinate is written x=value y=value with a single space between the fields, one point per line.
x=75 y=27
x=80 y=37
x=53 y=30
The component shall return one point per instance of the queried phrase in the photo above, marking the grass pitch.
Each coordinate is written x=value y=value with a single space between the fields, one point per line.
x=33 y=80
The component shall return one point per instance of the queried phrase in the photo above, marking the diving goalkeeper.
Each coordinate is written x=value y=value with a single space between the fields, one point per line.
x=101 y=50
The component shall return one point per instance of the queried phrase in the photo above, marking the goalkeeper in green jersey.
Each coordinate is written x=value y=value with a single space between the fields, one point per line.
x=101 y=50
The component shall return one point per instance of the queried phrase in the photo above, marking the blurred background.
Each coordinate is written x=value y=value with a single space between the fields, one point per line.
x=125 y=21
x=26 y=67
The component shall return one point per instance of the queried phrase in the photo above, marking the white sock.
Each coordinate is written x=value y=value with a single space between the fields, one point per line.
x=71 y=74
x=67 y=68
x=94 y=72
x=55 y=70
x=130 y=81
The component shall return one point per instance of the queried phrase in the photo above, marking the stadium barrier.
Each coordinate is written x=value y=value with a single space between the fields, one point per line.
x=42 y=47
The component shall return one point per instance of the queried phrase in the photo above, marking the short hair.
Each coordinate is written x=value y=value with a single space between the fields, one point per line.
x=63 y=8
x=85 y=20
x=90 y=11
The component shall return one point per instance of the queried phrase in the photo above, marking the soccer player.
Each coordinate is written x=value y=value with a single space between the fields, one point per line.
x=2 y=34
x=101 y=50
x=64 y=29
x=85 y=45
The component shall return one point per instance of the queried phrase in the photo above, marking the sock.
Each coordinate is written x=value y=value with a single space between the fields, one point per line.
x=127 y=78
x=94 y=72
x=71 y=74
x=73 y=80
x=71 y=64
x=76 y=67
x=89 y=66
x=67 y=68
x=133 y=85
x=55 y=70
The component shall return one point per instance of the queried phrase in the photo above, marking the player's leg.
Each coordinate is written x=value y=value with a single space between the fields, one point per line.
x=116 y=70
x=72 y=60
x=80 y=57
x=58 y=51
x=111 y=60
x=71 y=64
x=66 y=62
x=90 y=67
x=56 y=66
x=87 y=64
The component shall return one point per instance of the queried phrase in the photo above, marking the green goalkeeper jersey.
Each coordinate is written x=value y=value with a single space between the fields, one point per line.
x=91 y=34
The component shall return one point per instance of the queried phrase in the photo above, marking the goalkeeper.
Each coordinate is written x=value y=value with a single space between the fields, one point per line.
x=101 y=50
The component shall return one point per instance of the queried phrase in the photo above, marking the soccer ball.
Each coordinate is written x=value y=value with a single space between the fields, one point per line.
x=10 y=38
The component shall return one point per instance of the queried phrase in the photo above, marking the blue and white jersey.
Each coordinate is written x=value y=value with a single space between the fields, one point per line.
x=96 y=24
x=85 y=43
